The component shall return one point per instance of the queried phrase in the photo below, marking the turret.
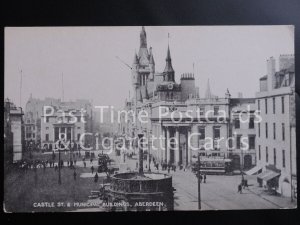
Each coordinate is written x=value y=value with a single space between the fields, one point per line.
x=151 y=64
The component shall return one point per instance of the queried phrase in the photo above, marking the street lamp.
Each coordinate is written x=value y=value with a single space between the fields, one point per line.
x=149 y=149
x=199 y=182
x=59 y=173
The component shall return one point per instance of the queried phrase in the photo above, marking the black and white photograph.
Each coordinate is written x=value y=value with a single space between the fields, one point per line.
x=149 y=118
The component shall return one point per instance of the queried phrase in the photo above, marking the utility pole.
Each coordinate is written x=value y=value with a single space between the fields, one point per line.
x=21 y=77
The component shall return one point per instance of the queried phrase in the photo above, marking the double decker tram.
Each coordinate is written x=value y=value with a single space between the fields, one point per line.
x=218 y=165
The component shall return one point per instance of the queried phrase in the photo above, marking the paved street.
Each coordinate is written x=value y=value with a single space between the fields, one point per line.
x=219 y=192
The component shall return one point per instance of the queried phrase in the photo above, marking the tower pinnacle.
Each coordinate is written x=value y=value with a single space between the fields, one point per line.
x=143 y=38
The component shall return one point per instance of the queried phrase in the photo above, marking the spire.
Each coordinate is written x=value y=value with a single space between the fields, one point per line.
x=168 y=67
x=135 y=59
x=151 y=61
x=143 y=38
x=208 y=93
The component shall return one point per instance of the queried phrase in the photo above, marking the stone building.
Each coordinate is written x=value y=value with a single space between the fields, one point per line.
x=62 y=124
x=34 y=113
x=276 y=136
x=13 y=132
x=198 y=125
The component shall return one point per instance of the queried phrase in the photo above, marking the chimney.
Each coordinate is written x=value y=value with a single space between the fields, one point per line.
x=271 y=73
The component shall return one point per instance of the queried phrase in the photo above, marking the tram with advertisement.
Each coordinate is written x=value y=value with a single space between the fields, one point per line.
x=213 y=165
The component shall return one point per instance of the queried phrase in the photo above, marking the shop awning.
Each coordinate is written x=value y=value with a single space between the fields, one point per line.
x=268 y=175
x=254 y=170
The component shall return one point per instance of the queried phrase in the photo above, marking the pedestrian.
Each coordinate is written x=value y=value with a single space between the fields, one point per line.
x=68 y=163
x=204 y=178
x=84 y=164
x=240 y=188
x=91 y=160
x=92 y=168
x=96 y=178
x=200 y=176
x=168 y=169
x=246 y=184
x=74 y=174
x=75 y=162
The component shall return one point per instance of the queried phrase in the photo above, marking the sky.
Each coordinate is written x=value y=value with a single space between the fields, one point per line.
x=232 y=57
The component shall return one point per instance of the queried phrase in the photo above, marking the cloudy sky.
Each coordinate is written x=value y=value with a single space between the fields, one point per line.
x=232 y=57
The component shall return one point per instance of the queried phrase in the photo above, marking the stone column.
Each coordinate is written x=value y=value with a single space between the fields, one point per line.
x=168 y=150
x=189 y=151
x=177 y=146
x=163 y=143
x=194 y=138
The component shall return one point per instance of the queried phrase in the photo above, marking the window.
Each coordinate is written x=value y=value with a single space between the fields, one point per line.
x=69 y=133
x=251 y=142
x=47 y=119
x=56 y=133
x=283 y=132
x=274 y=156
x=201 y=111
x=202 y=133
x=283 y=158
x=78 y=137
x=78 y=128
x=258 y=105
x=259 y=153
x=274 y=131
x=266 y=130
x=274 y=106
x=259 y=130
x=267 y=154
x=217 y=133
x=251 y=123
x=33 y=135
x=266 y=106
x=216 y=110
x=282 y=104
x=238 y=142
x=47 y=137
x=236 y=123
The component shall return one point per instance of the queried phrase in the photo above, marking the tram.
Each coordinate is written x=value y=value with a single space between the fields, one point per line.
x=213 y=165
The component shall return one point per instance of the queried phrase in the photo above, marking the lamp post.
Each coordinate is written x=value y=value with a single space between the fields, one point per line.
x=149 y=149
x=242 y=165
x=199 y=182
x=59 y=164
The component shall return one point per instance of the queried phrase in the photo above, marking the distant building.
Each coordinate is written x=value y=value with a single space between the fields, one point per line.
x=34 y=112
x=276 y=136
x=71 y=128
